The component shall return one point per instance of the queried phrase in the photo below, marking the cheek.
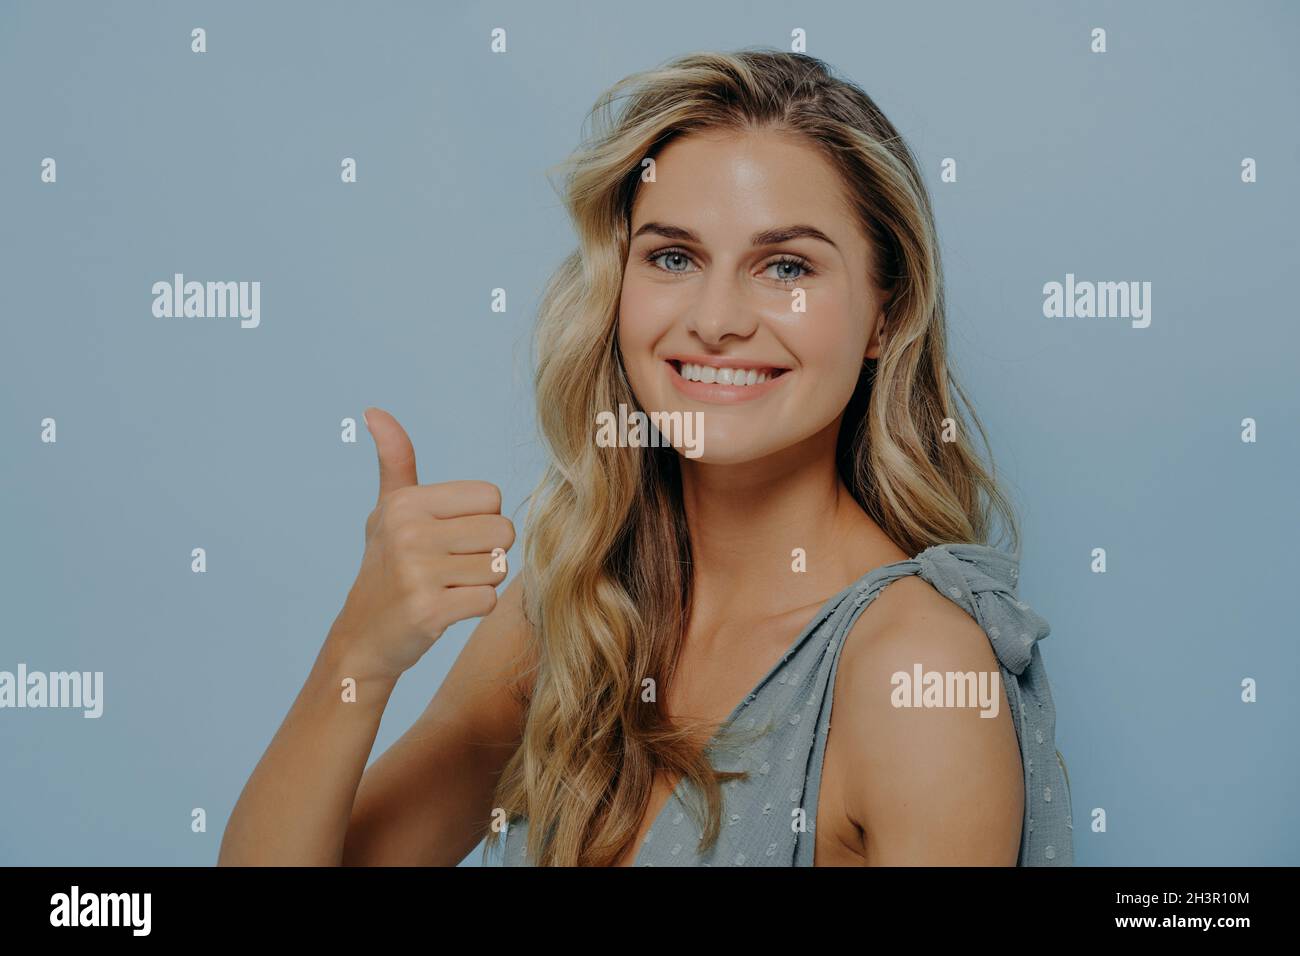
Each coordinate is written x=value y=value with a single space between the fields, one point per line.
x=830 y=340
x=636 y=340
x=640 y=326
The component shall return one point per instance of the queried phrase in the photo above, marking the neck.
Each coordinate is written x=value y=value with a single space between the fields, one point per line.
x=746 y=521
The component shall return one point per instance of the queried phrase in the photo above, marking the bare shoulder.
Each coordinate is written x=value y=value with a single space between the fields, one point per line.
x=935 y=781
x=911 y=604
x=906 y=624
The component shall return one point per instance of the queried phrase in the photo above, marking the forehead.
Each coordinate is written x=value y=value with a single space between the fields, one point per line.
x=758 y=179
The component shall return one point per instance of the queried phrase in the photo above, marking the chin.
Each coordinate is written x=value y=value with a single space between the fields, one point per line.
x=725 y=446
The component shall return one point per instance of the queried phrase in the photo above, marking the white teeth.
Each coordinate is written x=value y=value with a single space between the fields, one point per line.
x=724 y=376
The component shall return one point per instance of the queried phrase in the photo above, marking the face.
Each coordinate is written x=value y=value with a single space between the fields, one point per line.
x=714 y=295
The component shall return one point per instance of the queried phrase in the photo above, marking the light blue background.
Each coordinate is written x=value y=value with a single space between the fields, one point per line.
x=177 y=433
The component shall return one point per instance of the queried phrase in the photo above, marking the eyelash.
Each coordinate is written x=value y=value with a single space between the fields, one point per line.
x=792 y=260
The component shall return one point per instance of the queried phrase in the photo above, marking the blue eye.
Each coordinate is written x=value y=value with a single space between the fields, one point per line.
x=791 y=261
x=667 y=252
x=795 y=261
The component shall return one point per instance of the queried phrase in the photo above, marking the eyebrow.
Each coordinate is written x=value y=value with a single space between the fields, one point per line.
x=768 y=237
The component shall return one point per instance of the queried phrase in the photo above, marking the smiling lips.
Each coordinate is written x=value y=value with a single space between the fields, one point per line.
x=723 y=380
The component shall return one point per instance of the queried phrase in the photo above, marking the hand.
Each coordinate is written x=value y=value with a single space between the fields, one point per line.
x=428 y=561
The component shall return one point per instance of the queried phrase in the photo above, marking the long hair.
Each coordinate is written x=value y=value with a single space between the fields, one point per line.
x=607 y=562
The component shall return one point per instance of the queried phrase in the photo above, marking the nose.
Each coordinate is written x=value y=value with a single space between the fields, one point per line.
x=722 y=310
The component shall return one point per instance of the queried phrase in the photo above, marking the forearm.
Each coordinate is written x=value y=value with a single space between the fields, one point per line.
x=296 y=806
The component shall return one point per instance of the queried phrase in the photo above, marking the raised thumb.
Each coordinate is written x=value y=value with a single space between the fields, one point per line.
x=396 y=453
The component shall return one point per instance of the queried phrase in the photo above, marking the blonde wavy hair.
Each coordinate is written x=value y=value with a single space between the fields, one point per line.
x=607 y=560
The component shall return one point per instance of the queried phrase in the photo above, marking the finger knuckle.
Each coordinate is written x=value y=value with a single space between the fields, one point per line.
x=407 y=537
x=490 y=493
x=402 y=498
x=411 y=583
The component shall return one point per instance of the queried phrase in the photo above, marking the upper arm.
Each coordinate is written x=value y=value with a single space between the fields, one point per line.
x=426 y=800
x=928 y=786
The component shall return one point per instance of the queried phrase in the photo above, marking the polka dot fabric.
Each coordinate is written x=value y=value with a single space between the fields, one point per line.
x=790 y=709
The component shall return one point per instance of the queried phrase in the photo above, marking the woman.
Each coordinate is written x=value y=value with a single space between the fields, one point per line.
x=757 y=257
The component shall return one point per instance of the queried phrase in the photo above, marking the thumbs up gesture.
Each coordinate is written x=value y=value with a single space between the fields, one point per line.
x=429 y=561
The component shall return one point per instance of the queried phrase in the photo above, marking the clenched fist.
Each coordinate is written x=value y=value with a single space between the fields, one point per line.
x=428 y=561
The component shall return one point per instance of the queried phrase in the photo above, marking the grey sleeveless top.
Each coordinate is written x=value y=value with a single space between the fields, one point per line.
x=794 y=700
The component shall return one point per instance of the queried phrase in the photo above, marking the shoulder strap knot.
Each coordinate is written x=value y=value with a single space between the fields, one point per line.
x=983 y=581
